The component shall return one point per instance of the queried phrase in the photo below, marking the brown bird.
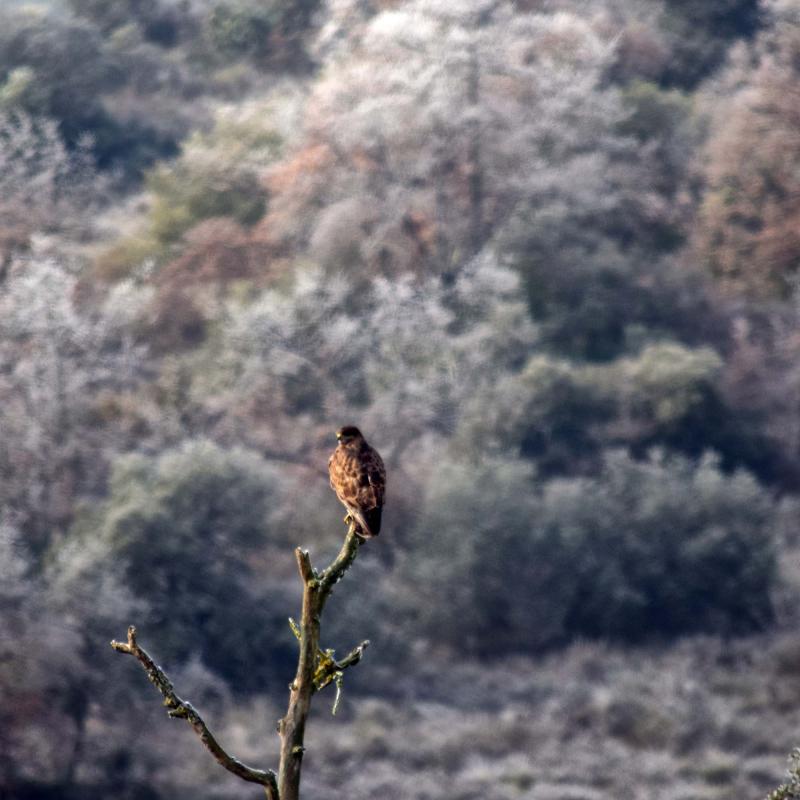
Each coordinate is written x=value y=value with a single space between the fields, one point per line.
x=359 y=479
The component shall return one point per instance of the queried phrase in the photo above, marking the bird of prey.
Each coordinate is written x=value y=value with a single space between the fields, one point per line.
x=359 y=479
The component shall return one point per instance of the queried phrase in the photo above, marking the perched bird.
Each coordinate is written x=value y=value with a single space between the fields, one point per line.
x=359 y=479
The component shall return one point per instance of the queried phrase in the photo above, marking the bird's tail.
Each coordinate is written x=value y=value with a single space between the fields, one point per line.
x=368 y=523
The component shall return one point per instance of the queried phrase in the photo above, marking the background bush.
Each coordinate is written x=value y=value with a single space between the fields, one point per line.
x=638 y=551
x=183 y=532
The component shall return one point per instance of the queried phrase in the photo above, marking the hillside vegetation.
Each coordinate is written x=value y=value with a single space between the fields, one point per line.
x=545 y=253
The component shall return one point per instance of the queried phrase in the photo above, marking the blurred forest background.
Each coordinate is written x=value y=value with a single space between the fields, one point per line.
x=545 y=253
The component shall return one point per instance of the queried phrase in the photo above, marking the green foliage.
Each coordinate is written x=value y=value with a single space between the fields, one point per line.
x=548 y=413
x=265 y=33
x=639 y=550
x=560 y=406
x=184 y=197
x=158 y=21
x=665 y=124
x=668 y=393
x=66 y=71
x=668 y=382
x=217 y=174
x=596 y=300
x=17 y=85
x=134 y=74
x=654 y=112
x=241 y=29
x=664 y=547
x=561 y=414
x=481 y=576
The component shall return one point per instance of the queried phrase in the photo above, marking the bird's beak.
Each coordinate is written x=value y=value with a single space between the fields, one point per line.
x=338 y=437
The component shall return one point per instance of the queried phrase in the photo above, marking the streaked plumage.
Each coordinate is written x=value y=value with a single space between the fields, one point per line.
x=359 y=479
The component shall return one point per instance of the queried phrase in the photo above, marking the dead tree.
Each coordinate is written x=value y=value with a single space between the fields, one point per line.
x=316 y=669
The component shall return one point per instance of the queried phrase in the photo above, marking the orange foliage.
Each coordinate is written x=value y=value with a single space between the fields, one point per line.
x=217 y=251
x=293 y=186
x=304 y=165
x=749 y=228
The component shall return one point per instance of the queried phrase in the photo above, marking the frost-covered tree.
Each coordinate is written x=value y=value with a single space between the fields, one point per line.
x=399 y=355
x=44 y=187
x=57 y=359
x=445 y=121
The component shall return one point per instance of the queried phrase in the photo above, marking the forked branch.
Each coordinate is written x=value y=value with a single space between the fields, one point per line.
x=178 y=708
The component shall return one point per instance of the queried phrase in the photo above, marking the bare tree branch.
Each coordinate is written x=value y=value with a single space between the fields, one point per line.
x=337 y=568
x=304 y=565
x=316 y=590
x=316 y=669
x=181 y=709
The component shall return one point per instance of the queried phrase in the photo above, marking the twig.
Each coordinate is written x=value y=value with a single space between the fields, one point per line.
x=329 y=669
x=326 y=665
x=181 y=709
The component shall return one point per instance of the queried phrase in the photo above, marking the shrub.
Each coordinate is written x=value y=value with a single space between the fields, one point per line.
x=184 y=197
x=548 y=413
x=560 y=413
x=215 y=176
x=240 y=29
x=700 y=33
x=667 y=394
x=181 y=530
x=643 y=549
x=479 y=575
x=159 y=22
x=269 y=34
x=61 y=68
x=664 y=546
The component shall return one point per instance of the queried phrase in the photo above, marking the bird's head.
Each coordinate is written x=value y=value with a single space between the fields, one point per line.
x=349 y=434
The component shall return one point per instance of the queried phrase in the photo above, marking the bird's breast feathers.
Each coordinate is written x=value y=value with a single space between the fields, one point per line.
x=358 y=477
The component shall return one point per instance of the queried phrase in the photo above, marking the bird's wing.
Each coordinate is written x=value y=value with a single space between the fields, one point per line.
x=376 y=476
x=359 y=482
